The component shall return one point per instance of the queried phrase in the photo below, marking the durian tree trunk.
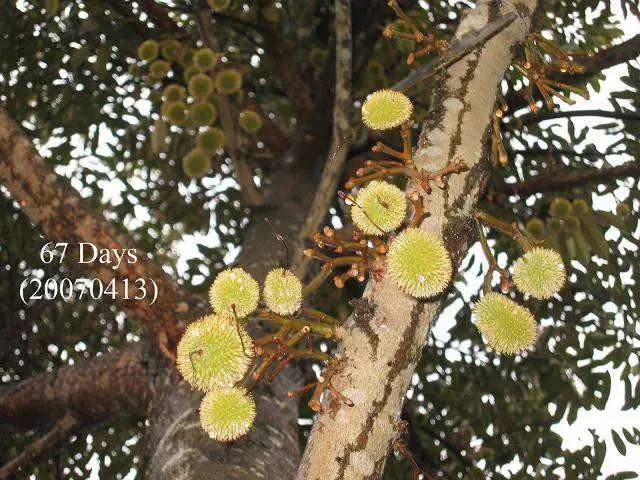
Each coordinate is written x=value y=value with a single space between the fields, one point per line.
x=384 y=337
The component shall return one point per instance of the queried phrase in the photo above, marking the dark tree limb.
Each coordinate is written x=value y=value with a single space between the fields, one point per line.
x=101 y=389
x=568 y=180
x=615 y=55
x=49 y=202
x=542 y=116
x=53 y=438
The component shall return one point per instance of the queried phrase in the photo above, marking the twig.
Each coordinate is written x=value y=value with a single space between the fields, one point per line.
x=456 y=51
x=49 y=440
x=340 y=140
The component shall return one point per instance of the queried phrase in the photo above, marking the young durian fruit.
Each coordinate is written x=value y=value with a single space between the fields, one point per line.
x=200 y=86
x=580 y=207
x=196 y=163
x=171 y=49
x=210 y=140
x=219 y=5
x=386 y=109
x=203 y=114
x=419 y=263
x=234 y=293
x=380 y=207
x=250 y=121
x=560 y=207
x=174 y=93
x=148 y=50
x=189 y=72
x=508 y=326
x=535 y=227
x=175 y=112
x=282 y=291
x=228 y=81
x=159 y=69
x=214 y=353
x=227 y=414
x=539 y=273
x=205 y=59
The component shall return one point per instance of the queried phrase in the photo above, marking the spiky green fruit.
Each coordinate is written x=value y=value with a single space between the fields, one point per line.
x=386 y=109
x=234 y=293
x=214 y=353
x=210 y=140
x=203 y=114
x=148 y=50
x=560 y=207
x=535 y=227
x=226 y=414
x=571 y=223
x=228 y=81
x=196 y=163
x=200 y=86
x=508 y=326
x=190 y=72
x=205 y=59
x=219 y=5
x=282 y=291
x=250 y=121
x=171 y=49
x=580 y=207
x=173 y=93
x=419 y=263
x=159 y=69
x=539 y=273
x=379 y=208
x=175 y=112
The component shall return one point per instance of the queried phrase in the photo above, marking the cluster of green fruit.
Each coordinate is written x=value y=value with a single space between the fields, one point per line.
x=215 y=352
x=191 y=102
x=575 y=229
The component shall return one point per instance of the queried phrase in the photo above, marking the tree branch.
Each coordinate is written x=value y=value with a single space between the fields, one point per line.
x=51 y=439
x=63 y=215
x=612 y=56
x=542 y=116
x=98 y=390
x=569 y=179
x=340 y=142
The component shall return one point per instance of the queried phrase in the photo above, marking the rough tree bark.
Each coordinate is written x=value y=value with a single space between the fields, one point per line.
x=388 y=329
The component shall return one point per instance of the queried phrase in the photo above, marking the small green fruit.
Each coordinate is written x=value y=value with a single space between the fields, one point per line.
x=226 y=414
x=159 y=69
x=171 y=49
x=205 y=59
x=200 y=86
x=148 y=50
x=213 y=352
x=175 y=112
x=508 y=326
x=210 y=140
x=228 y=81
x=554 y=225
x=580 y=207
x=386 y=109
x=535 y=227
x=190 y=72
x=250 y=121
x=560 y=207
x=539 y=273
x=219 y=5
x=196 y=163
x=173 y=93
x=282 y=291
x=380 y=207
x=419 y=263
x=234 y=293
x=203 y=114
x=571 y=223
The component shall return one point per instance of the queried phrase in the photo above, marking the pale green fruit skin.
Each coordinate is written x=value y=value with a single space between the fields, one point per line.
x=509 y=327
x=159 y=69
x=386 y=109
x=219 y=5
x=173 y=93
x=203 y=114
x=560 y=207
x=380 y=207
x=282 y=291
x=148 y=50
x=200 y=86
x=205 y=59
x=171 y=49
x=419 y=263
x=175 y=112
x=211 y=354
x=227 y=414
x=250 y=121
x=196 y=163
x=236 y=287
x=228 y=81
x=210 y=140
x=539 y=273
